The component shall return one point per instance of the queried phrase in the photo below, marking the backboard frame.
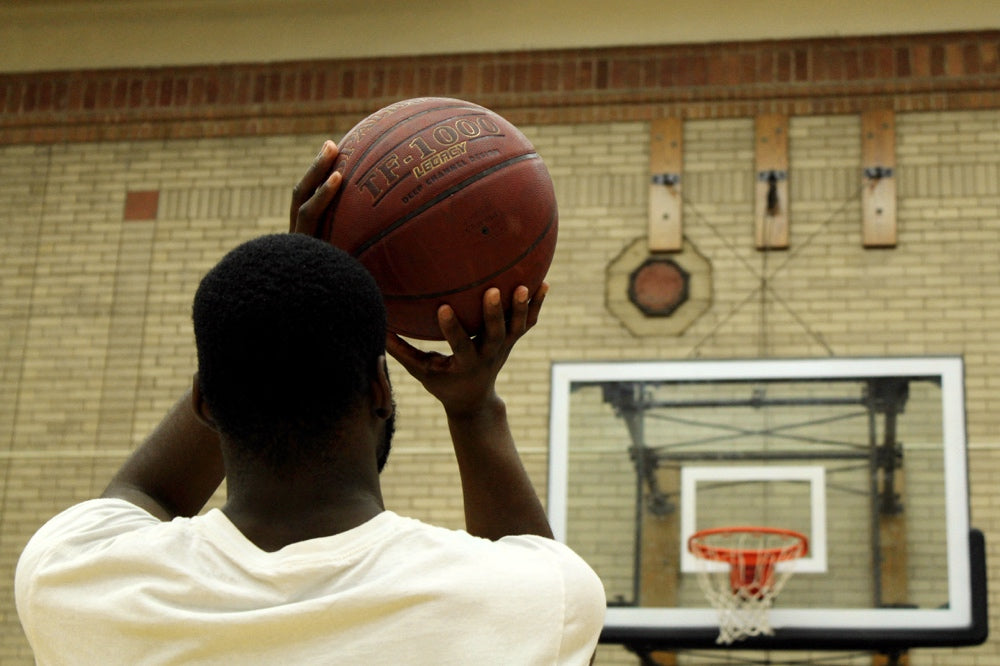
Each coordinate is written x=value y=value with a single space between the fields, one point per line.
x=961 y=622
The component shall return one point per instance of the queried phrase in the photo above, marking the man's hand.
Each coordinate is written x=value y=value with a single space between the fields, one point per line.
x=498 y=495
x=313 y=194
x=466 y=380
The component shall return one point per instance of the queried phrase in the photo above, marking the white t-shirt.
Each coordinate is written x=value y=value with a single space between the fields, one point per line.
x=105 y=582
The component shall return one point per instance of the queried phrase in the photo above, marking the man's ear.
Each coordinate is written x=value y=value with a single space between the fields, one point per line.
x=381 y=390
x=199 y=405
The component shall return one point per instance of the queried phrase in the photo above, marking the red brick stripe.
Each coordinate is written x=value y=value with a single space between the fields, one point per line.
x=816 y=76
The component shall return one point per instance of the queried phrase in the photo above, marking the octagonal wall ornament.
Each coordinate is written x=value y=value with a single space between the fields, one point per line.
x=652 y=294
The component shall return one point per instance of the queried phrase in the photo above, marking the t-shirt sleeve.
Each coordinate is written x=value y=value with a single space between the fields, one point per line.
x=584 y=598
x=78 y=529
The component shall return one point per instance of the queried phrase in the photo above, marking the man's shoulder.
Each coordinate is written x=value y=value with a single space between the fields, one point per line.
x=102 y=516
x=535 y=574
x=90 y=522
x=517 y=550
x=75 y=531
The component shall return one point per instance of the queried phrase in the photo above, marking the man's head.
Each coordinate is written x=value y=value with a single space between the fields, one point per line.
x=289 y=333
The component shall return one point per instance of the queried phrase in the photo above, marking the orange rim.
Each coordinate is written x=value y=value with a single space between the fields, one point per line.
x=798 y=547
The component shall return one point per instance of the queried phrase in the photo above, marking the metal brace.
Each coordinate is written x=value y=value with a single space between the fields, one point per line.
x=878 y=173
x=657 y=502
x=668 y=179
x=771 y=176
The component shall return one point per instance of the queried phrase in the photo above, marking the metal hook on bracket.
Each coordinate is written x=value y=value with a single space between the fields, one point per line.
x=772 y=178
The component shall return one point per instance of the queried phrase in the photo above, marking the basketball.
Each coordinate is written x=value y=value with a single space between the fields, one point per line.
x=442 y=199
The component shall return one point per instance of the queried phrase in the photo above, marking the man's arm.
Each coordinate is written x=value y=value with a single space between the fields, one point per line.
x=176 y=470
x=498 y=495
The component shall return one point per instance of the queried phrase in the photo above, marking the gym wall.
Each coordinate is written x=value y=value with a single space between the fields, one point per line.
x=119 y=188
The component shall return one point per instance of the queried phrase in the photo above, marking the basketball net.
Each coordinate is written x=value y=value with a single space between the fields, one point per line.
x=743 y=592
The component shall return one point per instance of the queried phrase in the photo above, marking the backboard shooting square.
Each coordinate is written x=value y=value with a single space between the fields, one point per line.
x=749 y=495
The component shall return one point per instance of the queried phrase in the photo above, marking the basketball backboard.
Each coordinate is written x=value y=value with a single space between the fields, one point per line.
x=866 y=457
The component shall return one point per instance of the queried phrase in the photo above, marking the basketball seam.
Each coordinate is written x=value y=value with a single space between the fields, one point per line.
x=364 y=247
x=484 y=279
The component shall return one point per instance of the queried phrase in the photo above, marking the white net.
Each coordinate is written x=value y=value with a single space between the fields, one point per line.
x=739 y=575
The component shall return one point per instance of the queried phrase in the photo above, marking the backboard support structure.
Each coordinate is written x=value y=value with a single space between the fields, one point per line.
x=866 y=456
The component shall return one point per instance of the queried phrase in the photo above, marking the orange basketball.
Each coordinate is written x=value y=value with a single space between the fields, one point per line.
x=440 y=200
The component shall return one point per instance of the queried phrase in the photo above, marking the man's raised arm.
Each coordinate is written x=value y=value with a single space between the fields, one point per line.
x=499 y=497
x=176 y=469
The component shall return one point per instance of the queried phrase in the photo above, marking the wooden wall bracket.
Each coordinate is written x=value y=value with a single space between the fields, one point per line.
x=771 y=201
x=665 y=164
x=878 y=193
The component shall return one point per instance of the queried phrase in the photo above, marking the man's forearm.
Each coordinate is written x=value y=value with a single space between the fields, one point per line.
x=500 y=499
x=176 y=469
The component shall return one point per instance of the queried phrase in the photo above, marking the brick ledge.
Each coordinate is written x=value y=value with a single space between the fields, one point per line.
x=945 y=71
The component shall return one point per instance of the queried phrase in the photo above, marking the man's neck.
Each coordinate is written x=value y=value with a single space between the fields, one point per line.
x=275 y=513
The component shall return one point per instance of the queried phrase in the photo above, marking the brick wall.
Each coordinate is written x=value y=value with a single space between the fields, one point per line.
x=818 y=76
x=119 y=188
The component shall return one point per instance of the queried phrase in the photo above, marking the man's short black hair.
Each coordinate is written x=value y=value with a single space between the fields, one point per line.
x=288 y=330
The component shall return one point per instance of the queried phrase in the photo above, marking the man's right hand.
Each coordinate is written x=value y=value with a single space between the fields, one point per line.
x=466 y=380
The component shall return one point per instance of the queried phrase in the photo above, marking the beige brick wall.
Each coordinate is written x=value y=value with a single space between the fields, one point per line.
x=94 y=311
